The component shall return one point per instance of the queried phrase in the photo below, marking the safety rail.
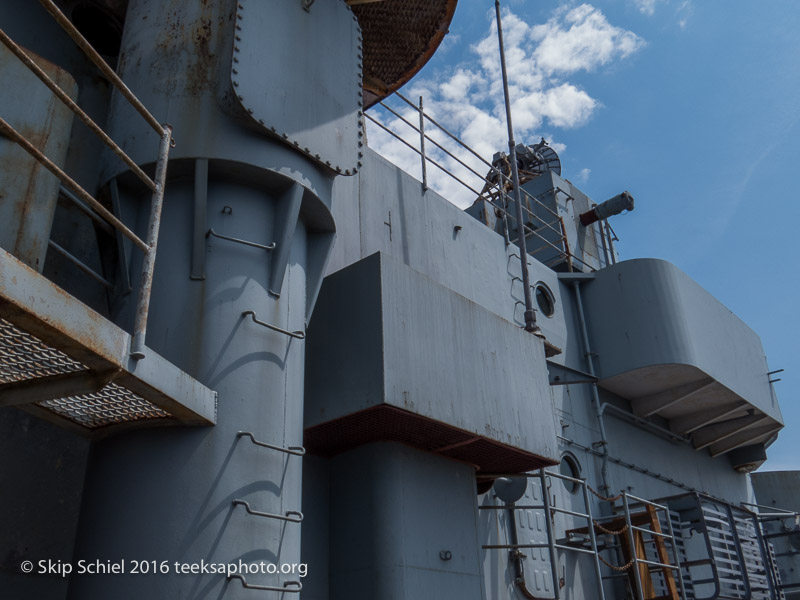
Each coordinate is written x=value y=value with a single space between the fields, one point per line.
x=83 y=199
x=652 y=509
x=780 y=540
x=549 y=511
x=595 y=526
x=496 y=185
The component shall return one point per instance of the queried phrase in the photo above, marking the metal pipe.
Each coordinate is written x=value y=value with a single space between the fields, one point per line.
x=101 y=64
x=149 y=262
x=70 y=103
x=632 y=542
x=593 y=538
x=656 y=428
x=549 y=527
x=628 y=465
x=595 y=394
x=81 y=265
x=68 y=182
x=422 y=146
x=530 y=313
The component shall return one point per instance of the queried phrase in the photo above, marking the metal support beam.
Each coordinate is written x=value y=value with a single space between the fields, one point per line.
x=288 y=212
x=744 y=438
x=198 y=269
x=712 y=434
x=53 y=387
x=650 y=405
x=563 y=375
x=691 y=423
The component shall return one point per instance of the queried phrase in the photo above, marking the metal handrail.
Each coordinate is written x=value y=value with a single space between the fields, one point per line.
x=528 y=230
x=498 y=187
x=101 y=64
x=70 y=103
x=155 y=185
x=12 y=134
x=421 y=152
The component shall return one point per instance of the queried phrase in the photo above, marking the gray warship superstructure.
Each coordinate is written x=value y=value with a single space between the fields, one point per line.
x=233 y=334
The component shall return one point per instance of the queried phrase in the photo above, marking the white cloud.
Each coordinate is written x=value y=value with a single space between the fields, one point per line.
x=583 y=175
x=468 y=100
x=646 y=7
x=581 y=39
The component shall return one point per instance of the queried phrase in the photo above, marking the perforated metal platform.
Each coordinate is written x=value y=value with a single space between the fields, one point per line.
x=64 y=362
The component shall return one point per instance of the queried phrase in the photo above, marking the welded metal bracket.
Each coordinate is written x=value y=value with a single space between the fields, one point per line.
x=212 y=233
x=290 y=587
x=295 y=334
x=562 y=375
x=293 y=516
x=296 y=450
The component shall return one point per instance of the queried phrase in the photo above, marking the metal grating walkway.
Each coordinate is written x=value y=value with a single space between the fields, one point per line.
x=62 y=361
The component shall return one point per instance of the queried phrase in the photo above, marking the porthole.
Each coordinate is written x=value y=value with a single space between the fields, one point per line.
x=570 y=468
x=545 y=299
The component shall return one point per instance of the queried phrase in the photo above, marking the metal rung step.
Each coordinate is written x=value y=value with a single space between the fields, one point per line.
x=62 y=361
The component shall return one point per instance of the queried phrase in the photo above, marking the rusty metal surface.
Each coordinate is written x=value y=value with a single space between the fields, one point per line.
x=400 y=36
x=27 y=190
x=70 y=183
x=149 y=264
x=70 y=103
x=47 y=335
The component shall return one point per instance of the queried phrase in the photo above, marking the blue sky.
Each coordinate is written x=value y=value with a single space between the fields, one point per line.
x=691 y=105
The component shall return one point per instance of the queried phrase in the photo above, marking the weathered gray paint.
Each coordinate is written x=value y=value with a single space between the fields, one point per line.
x=42 y=474
x=396 y=509
x=301 y=97
x=177 y=489
x=411 y=343
x=670 y=348
x=378 y=515
x=28 y=190
x=781 y=490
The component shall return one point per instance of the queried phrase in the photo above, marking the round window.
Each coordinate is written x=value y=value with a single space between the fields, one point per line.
x=569 y=466
x=545 y=300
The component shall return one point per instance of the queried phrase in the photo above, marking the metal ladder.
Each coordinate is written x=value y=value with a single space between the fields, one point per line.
x=641 y=528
